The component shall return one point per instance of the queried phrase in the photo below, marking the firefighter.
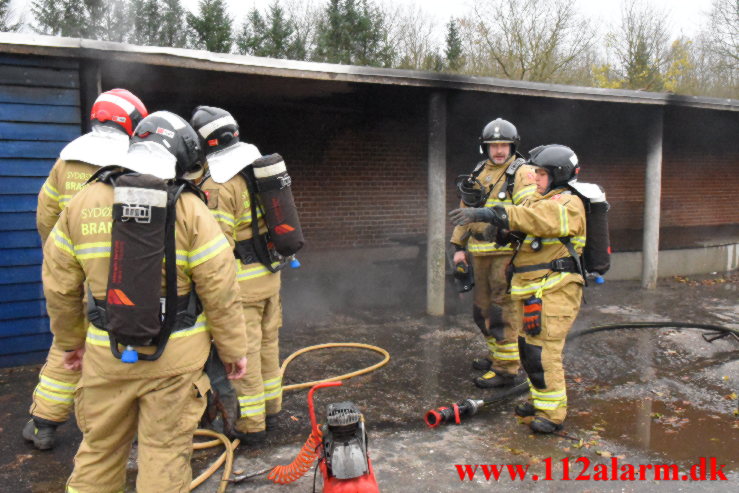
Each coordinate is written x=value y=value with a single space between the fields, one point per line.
x=547 y=278
x=114 y=115
x=500 y=180
x=260 y=390
x=160 y=401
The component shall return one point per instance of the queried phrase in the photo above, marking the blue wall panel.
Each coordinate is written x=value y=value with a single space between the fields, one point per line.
x=39 y=115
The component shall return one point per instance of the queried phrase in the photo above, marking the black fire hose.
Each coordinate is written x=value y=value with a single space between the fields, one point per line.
x=454 y=413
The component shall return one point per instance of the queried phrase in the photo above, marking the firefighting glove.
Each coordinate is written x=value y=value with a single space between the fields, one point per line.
x=466 y=215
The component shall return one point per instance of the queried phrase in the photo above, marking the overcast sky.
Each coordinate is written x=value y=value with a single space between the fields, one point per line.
x=686 y=16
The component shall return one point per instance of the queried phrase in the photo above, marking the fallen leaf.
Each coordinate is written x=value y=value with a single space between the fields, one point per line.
x=731 y=397
x=294 y=418
x=565 y=449
x=620 y=457
x=714 y=439
x=583 y=413
x=670 y=431
x=577 y=380
x=656 y=415
x=603 y=453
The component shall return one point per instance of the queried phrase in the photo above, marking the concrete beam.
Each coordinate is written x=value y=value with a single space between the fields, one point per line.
x=652 y=196
x=435 y=266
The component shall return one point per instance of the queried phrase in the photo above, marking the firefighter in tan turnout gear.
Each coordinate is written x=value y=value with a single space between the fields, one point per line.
x=127 y=238
x=547 y=278
x=241 y=217
x=114 y=115
x=502 y=179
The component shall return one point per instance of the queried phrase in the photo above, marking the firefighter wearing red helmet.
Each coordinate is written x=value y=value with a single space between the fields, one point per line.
x=547 y=281
x=230 y=201
x=142 y=354
x=114 y=115
x=501 y=179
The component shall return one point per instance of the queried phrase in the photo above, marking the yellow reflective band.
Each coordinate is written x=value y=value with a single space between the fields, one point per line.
x=100 y=249
x=272 y=382
x=56 y=385
x=223 y=217
x=493 y=202
x=548 y=405
x=557 y=395
x=200 y=326
x=49 y=190
x=54 y=397
x=181 y=257
x=207 y=251
x=253 y=411
x=97 y=337
x=273 y=394
x=482 y=247
x=247 y=399
x=576 y=240
x=62 y=241
x=63 y=199
x=525 y=192
x=543 y=285
x=513 y=346
x=564 y=222
x=244 y=273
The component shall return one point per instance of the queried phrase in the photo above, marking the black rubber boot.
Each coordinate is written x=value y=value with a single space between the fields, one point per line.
x=543 y=425
x=251 y=439
x=41 y=432
x=492 y=380
x=273 y=421
x=524 y=409
x=482 y=364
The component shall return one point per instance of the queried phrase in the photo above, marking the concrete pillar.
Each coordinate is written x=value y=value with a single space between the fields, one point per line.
x=435 y=265
x=652 y=195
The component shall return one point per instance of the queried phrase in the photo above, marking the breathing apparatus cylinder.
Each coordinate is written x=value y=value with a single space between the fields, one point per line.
x=597 y=253
x=137 y=250
x=280 y=214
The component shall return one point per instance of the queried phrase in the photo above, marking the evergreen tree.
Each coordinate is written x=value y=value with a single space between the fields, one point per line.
x=172 y=18
x=453 y=51
x=274 y=37
x=146 y=19
x=353 y=32
x=251 y=38
x=211 y=28
x=5 y=15
x=114 y=22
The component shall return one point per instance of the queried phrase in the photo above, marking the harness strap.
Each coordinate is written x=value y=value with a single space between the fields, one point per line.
x=564 y=264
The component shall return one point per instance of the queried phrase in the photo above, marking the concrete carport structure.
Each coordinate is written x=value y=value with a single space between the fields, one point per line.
x=374 y=152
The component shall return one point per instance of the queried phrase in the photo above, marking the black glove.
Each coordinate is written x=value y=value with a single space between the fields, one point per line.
x=466 y=215
x=500 y=217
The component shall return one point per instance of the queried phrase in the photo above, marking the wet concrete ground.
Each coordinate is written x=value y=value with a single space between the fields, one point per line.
x=639 y=397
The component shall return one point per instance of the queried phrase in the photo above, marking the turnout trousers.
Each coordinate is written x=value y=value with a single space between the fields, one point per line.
x=164 y=412
x=492 y=308
x=260 y=389
x=541 y=355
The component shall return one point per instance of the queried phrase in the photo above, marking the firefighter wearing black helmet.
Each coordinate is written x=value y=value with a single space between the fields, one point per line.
x=229 y=199
x=159 y=401
x=546 y=287
x=501 y=179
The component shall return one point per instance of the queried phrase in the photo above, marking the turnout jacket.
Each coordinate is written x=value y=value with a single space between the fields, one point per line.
x=65 y=180
x=230 y=204
x=493 y=175
x=78 y=254
x=558 y=214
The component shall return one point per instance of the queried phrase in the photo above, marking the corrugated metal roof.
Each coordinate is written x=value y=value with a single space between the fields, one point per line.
x=204 y=60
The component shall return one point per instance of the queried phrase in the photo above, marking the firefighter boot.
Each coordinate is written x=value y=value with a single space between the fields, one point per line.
x=524 y=409
x=543 y=425
x=250 y=439
x=483 y=363
x=41 y=432
x=491 y=380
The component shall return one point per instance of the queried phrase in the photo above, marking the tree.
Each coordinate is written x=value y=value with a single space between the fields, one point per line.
x=413 y=35
x=172 y=17
x=353 y=32
x=5 y=15
x=114 y=21
x=147 y=20
x=640 y=46
x=537 y=40
x=275 y=37
x=724 y=32
x=453 y=51
x=211 y=28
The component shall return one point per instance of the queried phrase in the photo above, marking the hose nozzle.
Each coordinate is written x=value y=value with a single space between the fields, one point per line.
x=452 y=413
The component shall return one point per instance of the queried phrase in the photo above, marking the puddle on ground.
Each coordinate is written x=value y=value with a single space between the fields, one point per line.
x=677 y=431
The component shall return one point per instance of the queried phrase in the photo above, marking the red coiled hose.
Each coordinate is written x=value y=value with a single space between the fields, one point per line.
x=302 y=463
